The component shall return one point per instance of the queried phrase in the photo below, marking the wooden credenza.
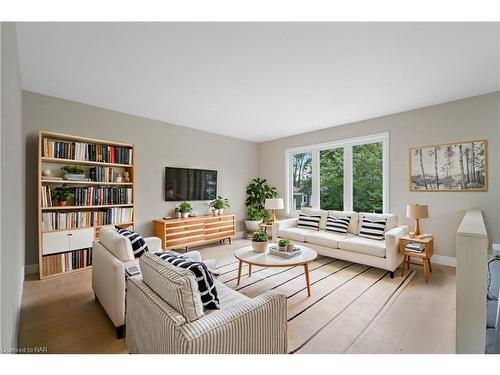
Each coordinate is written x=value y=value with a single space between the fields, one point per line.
x=194 y=231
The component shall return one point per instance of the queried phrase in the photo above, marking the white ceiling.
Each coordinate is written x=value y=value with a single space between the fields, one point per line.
x=259 y=81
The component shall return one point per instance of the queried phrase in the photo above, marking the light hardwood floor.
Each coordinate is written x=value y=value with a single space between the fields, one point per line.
x=61 y=315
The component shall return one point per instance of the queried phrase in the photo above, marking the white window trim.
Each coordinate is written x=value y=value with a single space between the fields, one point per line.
x=347 y=145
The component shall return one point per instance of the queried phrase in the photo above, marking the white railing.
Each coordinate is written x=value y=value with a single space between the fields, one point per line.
x=472 y=275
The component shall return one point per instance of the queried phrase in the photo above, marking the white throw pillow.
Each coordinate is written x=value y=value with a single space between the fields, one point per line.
x=116 y=244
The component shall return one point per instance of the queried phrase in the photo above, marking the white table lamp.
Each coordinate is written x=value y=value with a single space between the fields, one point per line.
x=274 y=204
x=417 y=212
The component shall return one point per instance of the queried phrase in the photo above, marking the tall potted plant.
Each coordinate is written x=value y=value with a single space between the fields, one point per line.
x=257 y=193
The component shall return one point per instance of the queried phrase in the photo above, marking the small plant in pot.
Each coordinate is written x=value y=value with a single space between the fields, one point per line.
x=283 y=244
x=62 y=194
x=218 y=205
x=259 y=242
x=73 y=172
x=184 y=209
x=254 y=219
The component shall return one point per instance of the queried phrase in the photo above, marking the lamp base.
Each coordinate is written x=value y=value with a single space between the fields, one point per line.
x=417 y=227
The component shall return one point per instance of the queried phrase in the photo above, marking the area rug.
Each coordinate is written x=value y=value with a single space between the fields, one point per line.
x=346 y=298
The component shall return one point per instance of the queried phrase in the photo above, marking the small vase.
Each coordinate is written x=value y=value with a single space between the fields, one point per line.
x=282 y=248
x=185 y=215
x=221 y=211
x=289 y=247
x=179 y=215
x=259 y=247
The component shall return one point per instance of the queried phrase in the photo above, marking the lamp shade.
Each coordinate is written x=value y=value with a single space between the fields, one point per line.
x=417 y=211
x=274 y=204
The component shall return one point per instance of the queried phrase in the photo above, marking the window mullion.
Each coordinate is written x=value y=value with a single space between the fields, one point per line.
x=315 y=183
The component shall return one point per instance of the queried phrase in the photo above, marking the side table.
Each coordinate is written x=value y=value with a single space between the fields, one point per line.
x=424 y=255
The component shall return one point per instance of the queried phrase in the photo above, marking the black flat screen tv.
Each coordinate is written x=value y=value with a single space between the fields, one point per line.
x=185 y=184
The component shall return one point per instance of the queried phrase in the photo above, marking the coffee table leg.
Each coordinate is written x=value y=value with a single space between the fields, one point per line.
x=239 y=272
x=306 y=272
x=249 y=270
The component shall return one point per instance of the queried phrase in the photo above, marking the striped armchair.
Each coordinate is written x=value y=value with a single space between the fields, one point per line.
x=242 y=325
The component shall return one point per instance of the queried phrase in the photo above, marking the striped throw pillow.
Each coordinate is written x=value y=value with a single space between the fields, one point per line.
x=139 y=246
x=309 y=221
x=373 y=229
x=337 y=225
x=206 y=285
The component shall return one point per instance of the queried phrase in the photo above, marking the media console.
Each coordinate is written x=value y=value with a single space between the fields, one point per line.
x=194 y=231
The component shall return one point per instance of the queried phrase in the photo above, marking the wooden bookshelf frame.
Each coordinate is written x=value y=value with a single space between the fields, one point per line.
x=41 y=182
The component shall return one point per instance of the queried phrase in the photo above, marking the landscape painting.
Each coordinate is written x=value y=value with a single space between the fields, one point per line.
x=458 y=166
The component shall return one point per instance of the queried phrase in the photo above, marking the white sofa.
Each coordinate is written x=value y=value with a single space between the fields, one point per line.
x=165 y=315
x=351 y=247
x=111 y=254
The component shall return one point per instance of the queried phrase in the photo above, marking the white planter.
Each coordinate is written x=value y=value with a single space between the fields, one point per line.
x=221 y=211
x=282 y=248
x=179 y=215
x=259 y=247
x=185 y=215
x=252 y=225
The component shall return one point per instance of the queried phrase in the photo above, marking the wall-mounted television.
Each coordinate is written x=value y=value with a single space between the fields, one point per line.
x=186 y=184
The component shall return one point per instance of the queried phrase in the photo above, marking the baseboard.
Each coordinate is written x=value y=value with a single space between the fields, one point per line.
x=30 y=269
x=444 y=260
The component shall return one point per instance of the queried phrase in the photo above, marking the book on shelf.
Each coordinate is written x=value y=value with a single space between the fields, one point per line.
x=82 y=219
x=415 y=247
x=93 y=196
x=103 y=174
x=82 y=151
x=64 y=262
x=46 y=196
x=52 y=178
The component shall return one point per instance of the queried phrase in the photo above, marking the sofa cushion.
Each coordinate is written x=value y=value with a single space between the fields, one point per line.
x=316 y=211
x=138 y=244
x=206 y=286
x=176 y=286
x=392 y=220
x=373 y=229
x=116 y=244
x=362 y=245
x=309 y=221
x=327 y=239
x=294 y=233
x=229 y=297
x=337 y=225
x=353 y=223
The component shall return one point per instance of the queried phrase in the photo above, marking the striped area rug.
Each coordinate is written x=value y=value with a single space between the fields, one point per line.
x=346 y=298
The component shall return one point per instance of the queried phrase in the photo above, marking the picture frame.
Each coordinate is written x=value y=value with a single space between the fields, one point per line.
x=449 y=167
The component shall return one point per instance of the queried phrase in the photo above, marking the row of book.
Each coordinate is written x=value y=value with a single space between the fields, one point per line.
x=103 y=174
x=86 y=151
x=53 y=264
x=79 y=219
x=46 y=196
x=415 y=247
x=96 y=195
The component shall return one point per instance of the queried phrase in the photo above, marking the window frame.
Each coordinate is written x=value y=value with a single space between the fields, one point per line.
x=347 y=144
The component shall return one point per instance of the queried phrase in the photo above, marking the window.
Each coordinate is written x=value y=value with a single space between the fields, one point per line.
x=331 y=175
x=302 y=178
x=346 y=175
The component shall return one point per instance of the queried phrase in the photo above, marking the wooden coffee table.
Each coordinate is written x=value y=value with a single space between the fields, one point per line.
x=248 y=256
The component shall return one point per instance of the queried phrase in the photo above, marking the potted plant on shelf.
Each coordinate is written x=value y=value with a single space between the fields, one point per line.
x=259 y=242
x=184 y=208
x=283 y=244
x=257 y=193
x=74 y=172
x=218 y=205
x=62 y=194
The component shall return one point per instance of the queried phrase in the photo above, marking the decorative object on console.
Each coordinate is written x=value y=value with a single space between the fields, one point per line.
x=218 y=205
x=259 y=242
x=184 y=208
x=459 y=166
x=417 y=212
x=274 y=204
x=62 y=194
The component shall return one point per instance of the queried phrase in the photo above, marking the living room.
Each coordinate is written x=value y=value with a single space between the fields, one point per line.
x=250 y=188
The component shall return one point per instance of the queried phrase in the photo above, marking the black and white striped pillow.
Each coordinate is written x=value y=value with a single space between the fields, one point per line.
x=337 y=225
x=206 y=285
x=373 y=229
x=309 y=221
x=139 y=246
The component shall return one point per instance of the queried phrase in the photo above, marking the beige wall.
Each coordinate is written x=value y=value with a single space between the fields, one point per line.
x=468 y=119
x=157 y=145
x=12 y=190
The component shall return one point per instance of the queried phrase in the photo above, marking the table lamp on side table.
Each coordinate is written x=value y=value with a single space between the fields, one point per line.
x=274 y=204
x=417 y=212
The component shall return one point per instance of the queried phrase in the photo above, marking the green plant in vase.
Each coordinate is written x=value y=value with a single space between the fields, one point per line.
x=218 y=205
x=283 y=244
x=62 y=194
x=259 y=242
x=184 y=209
